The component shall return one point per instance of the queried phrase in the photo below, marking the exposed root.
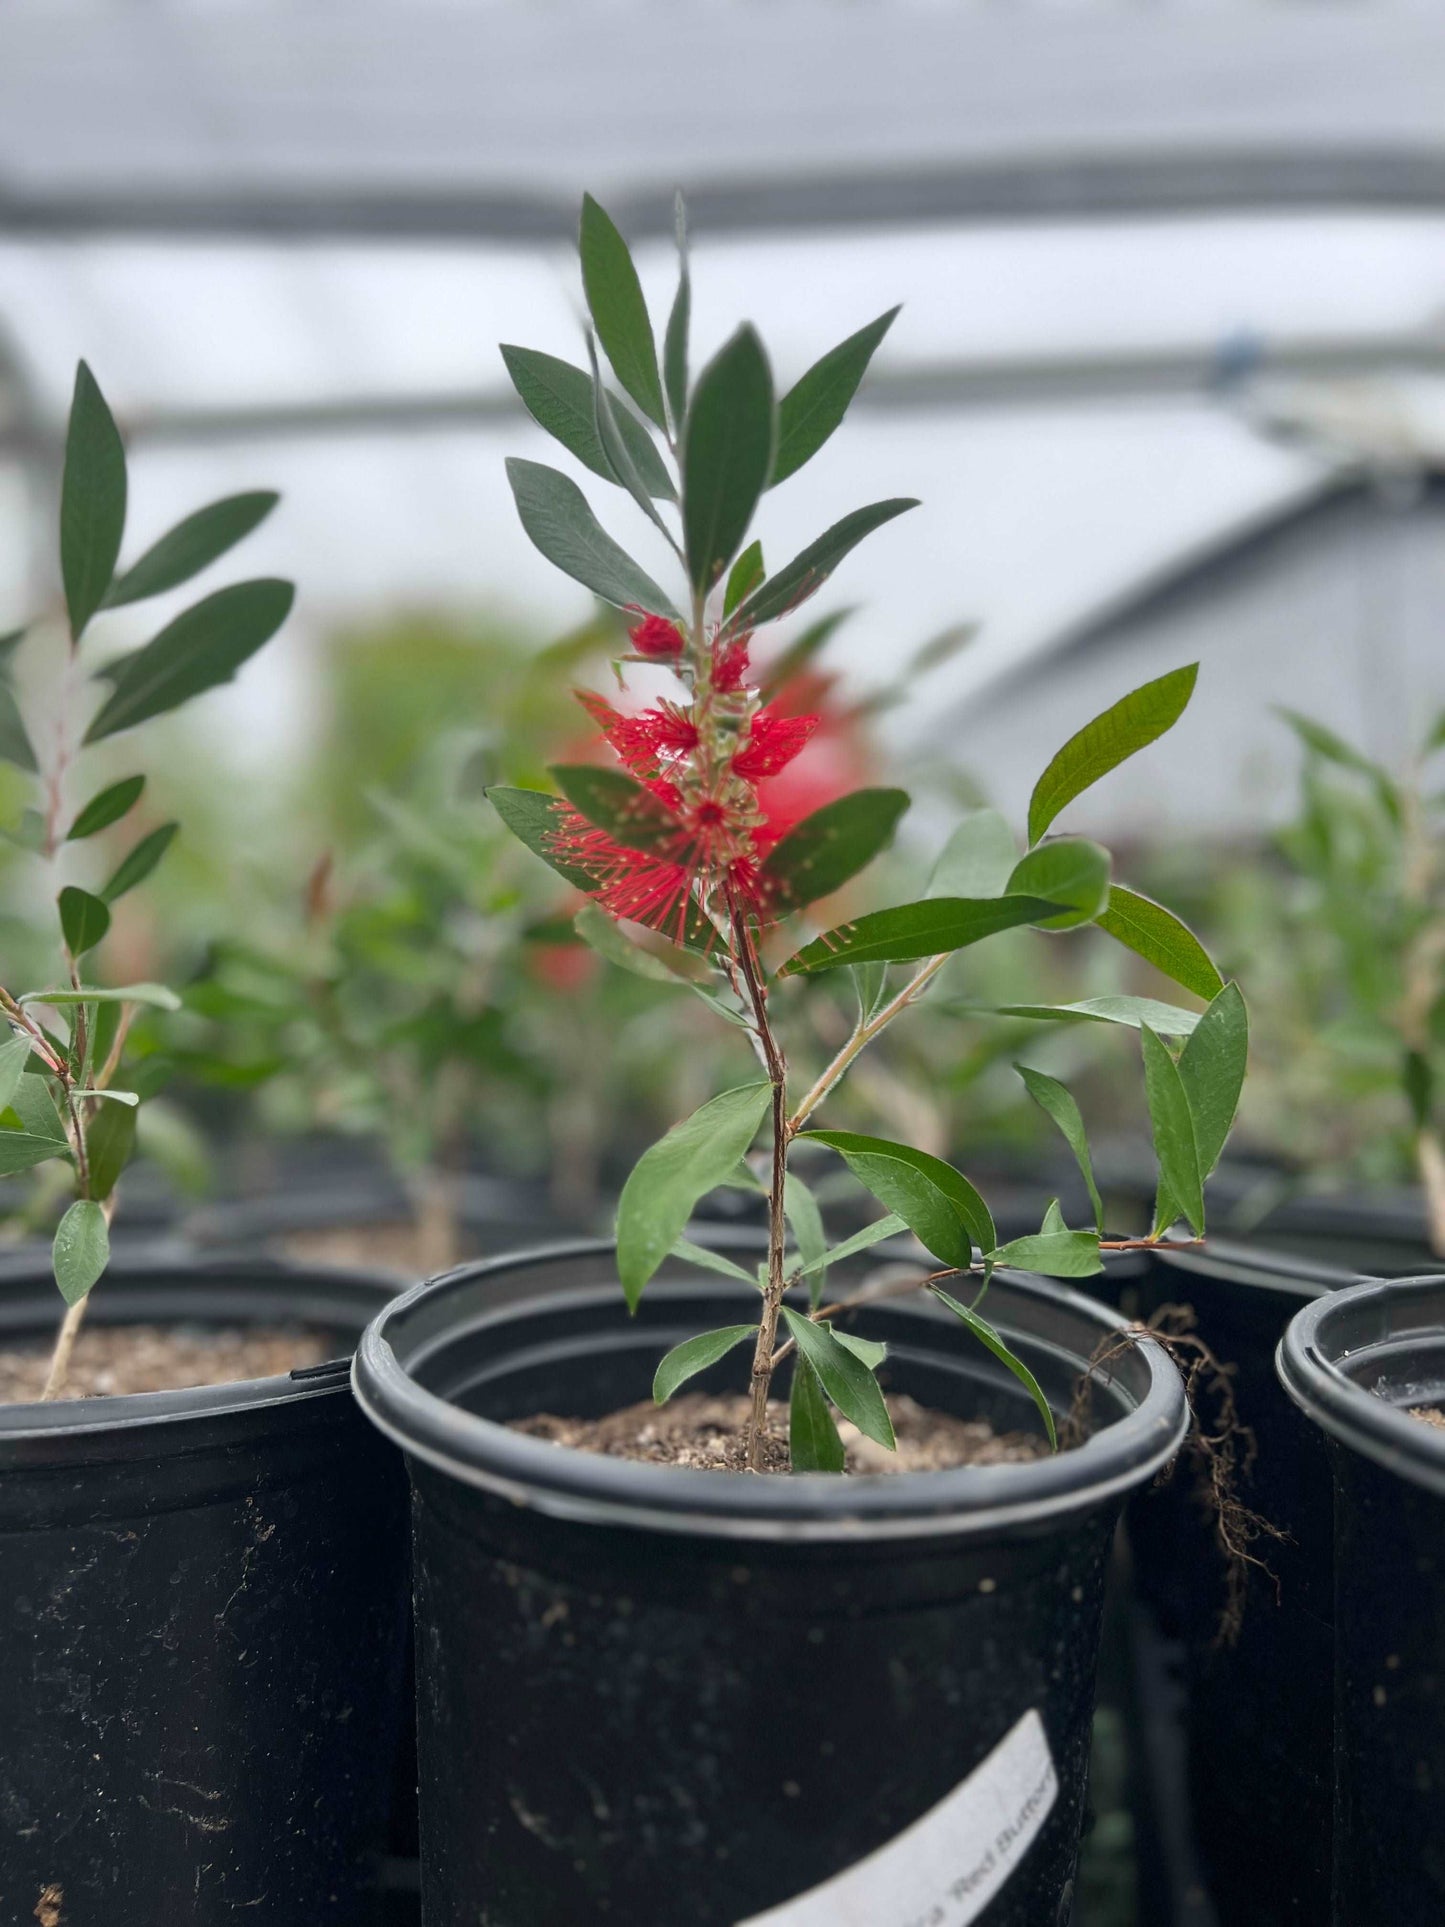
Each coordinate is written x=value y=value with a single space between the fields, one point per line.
x=1220 y=1447
x=47 y=1908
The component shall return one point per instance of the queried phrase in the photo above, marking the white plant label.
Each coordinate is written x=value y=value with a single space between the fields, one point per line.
x=944 y=1869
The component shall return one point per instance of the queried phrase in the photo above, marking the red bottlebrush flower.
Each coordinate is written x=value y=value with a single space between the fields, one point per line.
x=730 y=665
x=647 y=741
x=656 y=636
x=773 y=742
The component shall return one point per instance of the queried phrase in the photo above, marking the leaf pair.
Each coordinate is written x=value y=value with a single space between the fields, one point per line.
x=1192 y=1102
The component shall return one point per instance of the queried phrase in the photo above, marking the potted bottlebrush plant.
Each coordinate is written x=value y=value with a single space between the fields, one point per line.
x=649 y=1543
x=201 y=1567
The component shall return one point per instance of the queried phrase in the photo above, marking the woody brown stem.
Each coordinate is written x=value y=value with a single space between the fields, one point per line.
x=746 y=953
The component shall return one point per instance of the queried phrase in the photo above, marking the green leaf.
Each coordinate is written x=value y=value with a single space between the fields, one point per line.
x=20 y=1150
x=129 y=1099
x=666 y=1182
x=1065 y=870
x=1175 y=1145
x=137 y=865
x=84 y=920
x=192 y=545
x=727 y=1012
x=987 y=1336
x=617 y=803
x=532 y=817
x=916 y=930
x=81 y=1250
x=871 y=1234
x=820 y=854
x=560 y=524
x=1157 y=935
x=1059 y=1103
x=92 y=502
x=977 y=859
x=156 y=996
x=710 y=1260
x=605 y=936
x=813 y=1441
x=674 y=345
x=694 y=1355
x=607 y=419
x=870 y=1350
x=108 y=807
x=745 y=576
x=1052 y=1254
x=619 y=313
x=14 y=1056
x=204 y=646
x=1334 y=749
x=814 y=407
x=806 y=1220
x=561 y=398
x=1110 y=739
x=845 y=1378
x=1167 y=1019
x=1053 y=1218
x=809 y=570
x=1212 y=1068
x=727 y=450
x=937 y=1203
x=34 y=1104
x=15 y=744
x=109 y=1143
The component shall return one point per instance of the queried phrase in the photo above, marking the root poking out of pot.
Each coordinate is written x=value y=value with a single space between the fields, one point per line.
x=47 y=1908
x=156 y=1358
x=1428 y=1415
x=708 y=1434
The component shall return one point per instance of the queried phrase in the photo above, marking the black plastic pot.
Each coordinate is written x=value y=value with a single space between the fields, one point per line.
x=1353 y=1364
x=1384 y=1233
x=1258 y=1709
x=652 y=1695
x=202 y=1609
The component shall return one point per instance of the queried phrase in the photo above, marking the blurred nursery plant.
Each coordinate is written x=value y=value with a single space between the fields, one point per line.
x=670 y=840
x=66 y=1095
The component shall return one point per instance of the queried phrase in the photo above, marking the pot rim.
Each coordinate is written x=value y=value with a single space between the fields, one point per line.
x=568 y=1483
x=147 y=1284
x=1328 y=1344
x=1255 y=1267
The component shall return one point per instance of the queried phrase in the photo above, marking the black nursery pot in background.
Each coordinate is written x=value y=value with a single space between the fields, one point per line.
x=202 y=1600
x=650 y=1695
x=1355 y=1364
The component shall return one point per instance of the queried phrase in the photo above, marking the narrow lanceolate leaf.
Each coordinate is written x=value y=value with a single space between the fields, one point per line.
x=745 y=575
x=1157 y=935
x=674 y=344
x=555 y=514
x=204 y=646
x=1211 y=1069
x=619 y=313
x=694 y=1355
x=1175 y=1146
x=809 y=570
x=813 y=408
x=1052 y=1254
x=604 y=935
x=820 y=854
x=871 y=1234
x=155 y=996
x=135 y=867
x=845 y=1378
x=560 y=398
x=109 y=1143
x=666 y=1182
x=977 y=859
x=1110 y=739
x=916 y=930
x=988 y=1337
x=708 y=1260
x=937 y=1203
x=15 y=744
x=1059 y=1103
x=92 y=501
x=14 y=1056
x=1067 y=870
x=1334 y=749
x=81 y=1250
x=532 y=817
x=1167 y=1019
x=727 y=451
x=607 y=419
x=813 y=1441
x=871 y=1350
x=22 y=1150
x=108 y=807
x=192 y=545
x=84 y=920
x=805 y=1221
x=611 y=799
